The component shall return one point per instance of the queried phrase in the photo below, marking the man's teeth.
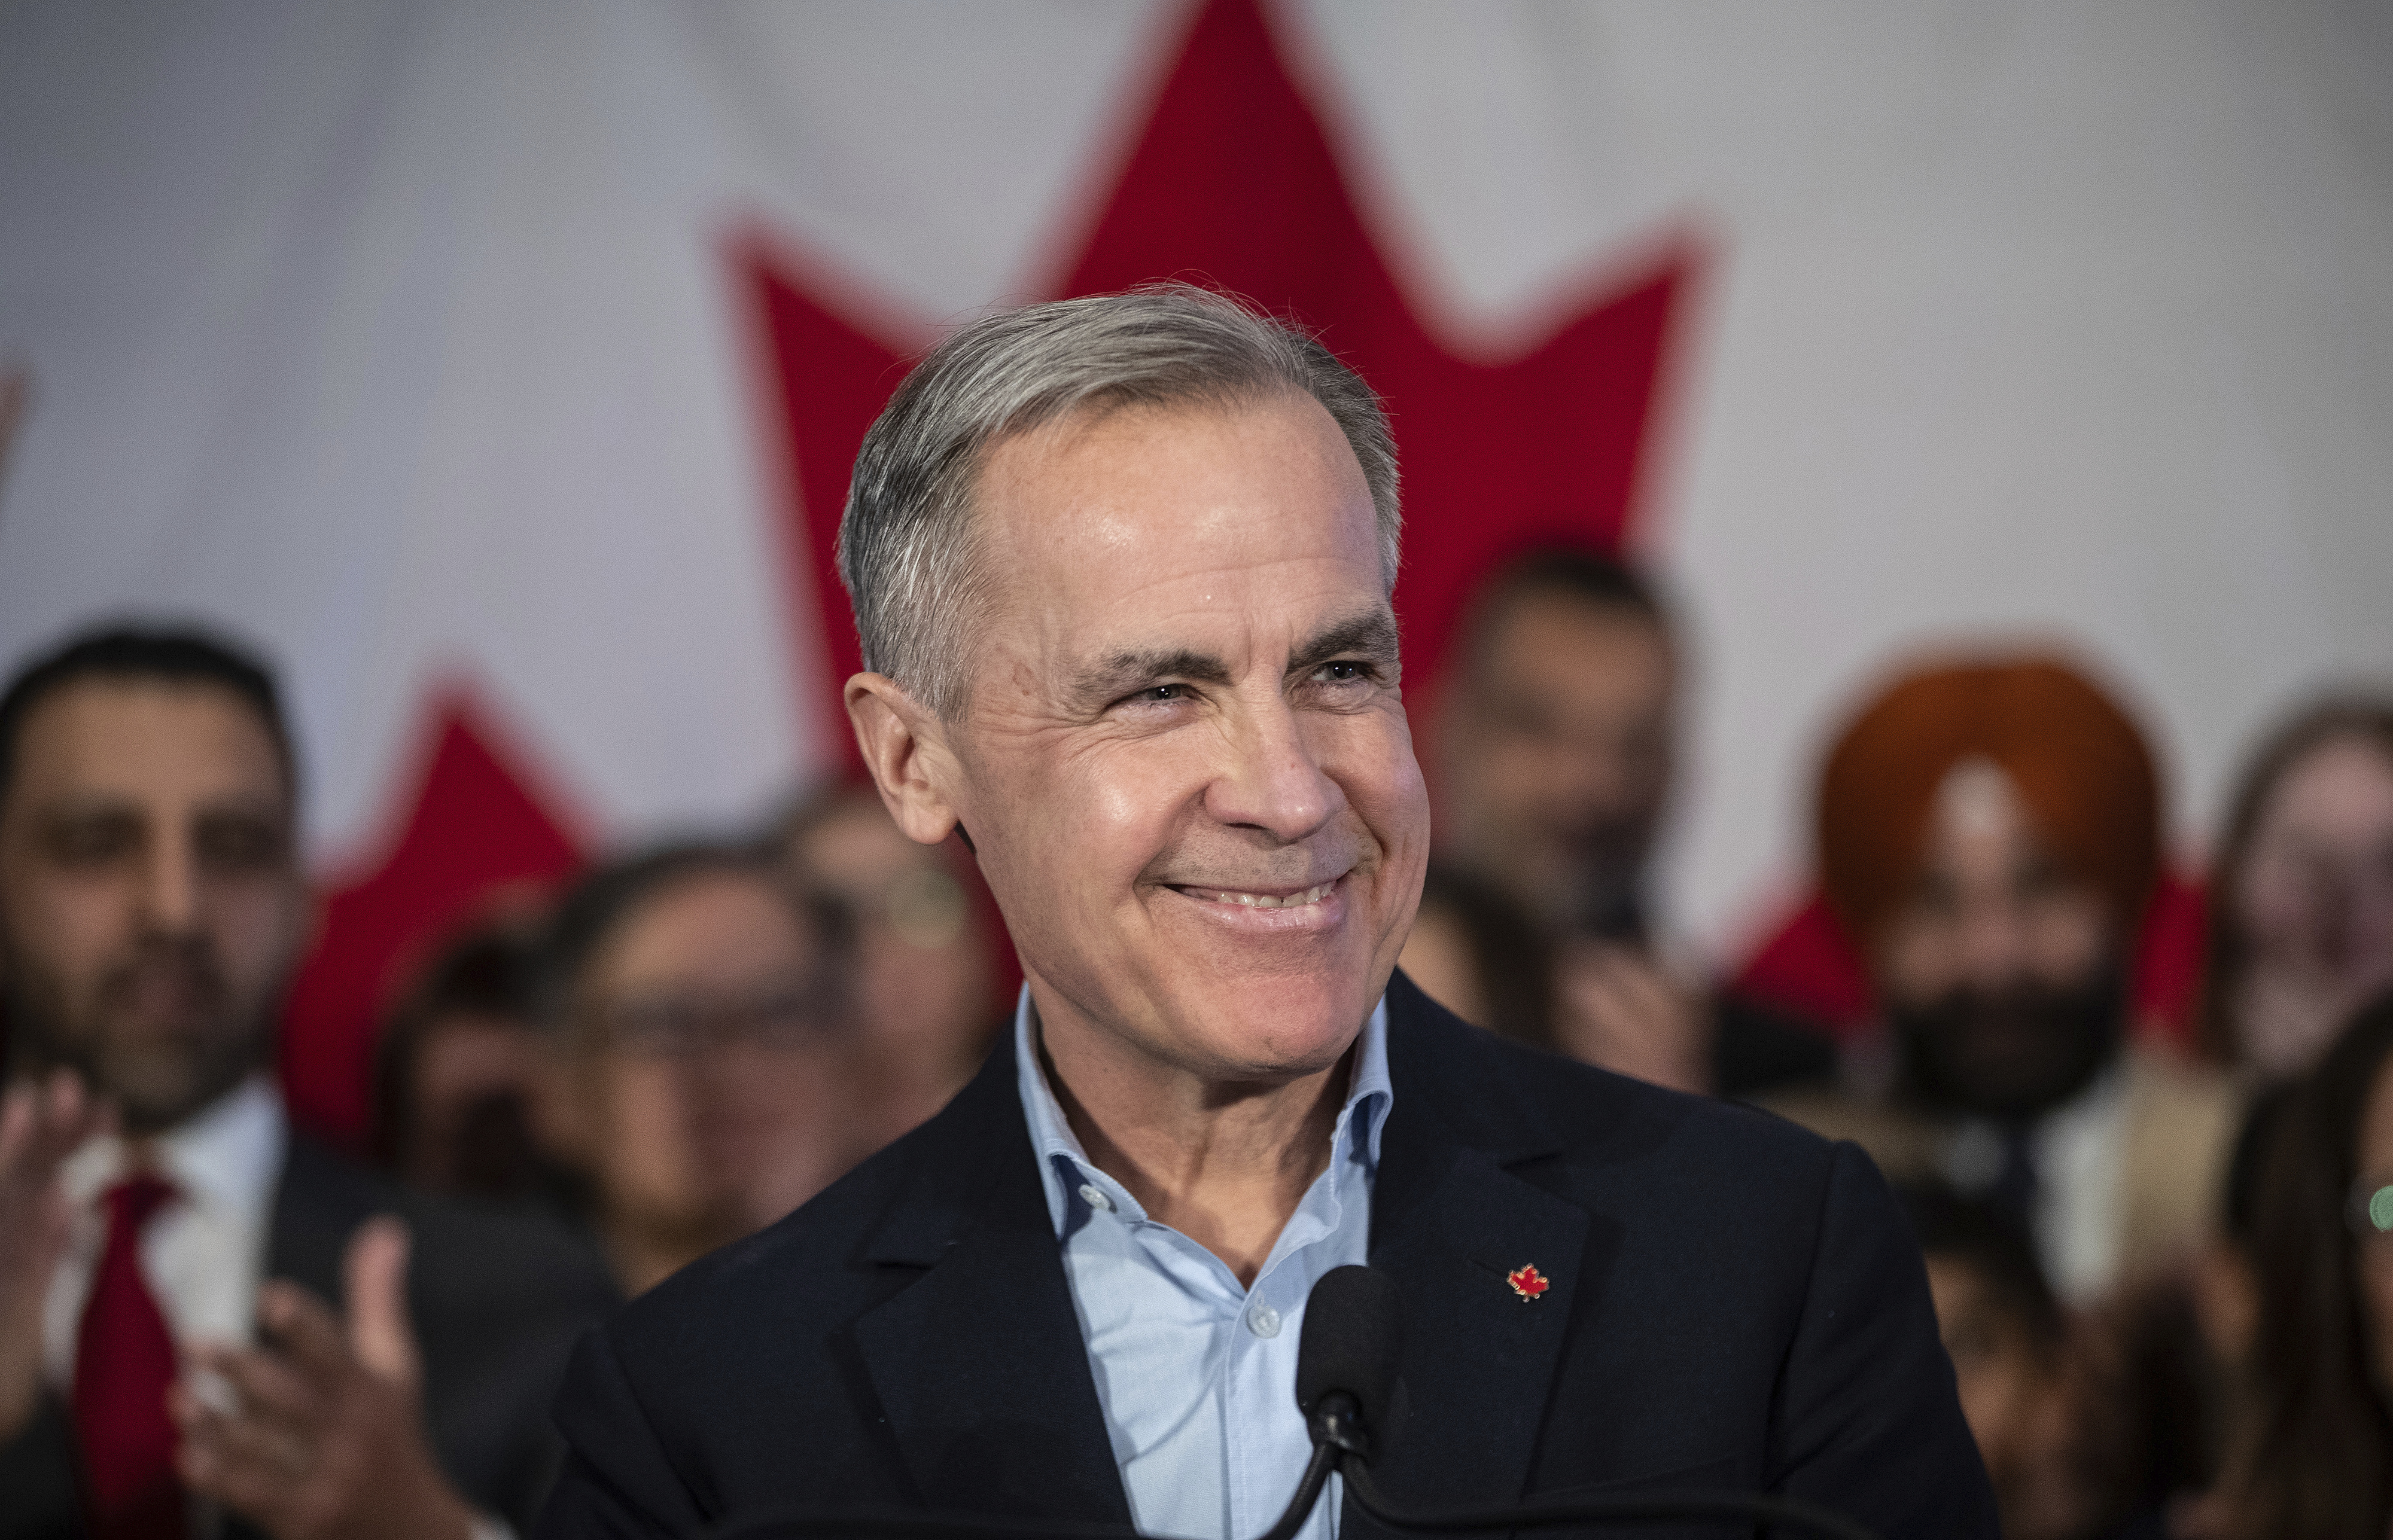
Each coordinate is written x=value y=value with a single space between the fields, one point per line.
x=1267 y=901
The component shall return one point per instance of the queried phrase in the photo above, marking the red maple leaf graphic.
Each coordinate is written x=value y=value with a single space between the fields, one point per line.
x=1232 y=183
x=480 y=822
x=1527 y=1282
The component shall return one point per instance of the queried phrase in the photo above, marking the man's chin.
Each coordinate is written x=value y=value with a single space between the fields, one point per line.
x=146 y=1107
x=1233 y=1002
x=1270 y=1031
x=156 y=1092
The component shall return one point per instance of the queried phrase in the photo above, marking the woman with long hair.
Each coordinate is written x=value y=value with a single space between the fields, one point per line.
x=2315 y=1450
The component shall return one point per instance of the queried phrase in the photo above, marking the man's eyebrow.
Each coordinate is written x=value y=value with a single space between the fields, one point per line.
x=1107 y=680
x=1372 y=633
x=83 y=805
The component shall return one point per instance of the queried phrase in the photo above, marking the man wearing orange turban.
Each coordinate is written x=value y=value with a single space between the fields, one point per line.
x=1990 y=833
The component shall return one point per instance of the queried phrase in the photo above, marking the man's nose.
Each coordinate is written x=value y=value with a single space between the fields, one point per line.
x=170 y=891
x=1993 y=940
x=1272 y=780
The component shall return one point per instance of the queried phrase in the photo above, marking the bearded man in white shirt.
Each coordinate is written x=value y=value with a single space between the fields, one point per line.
x=168 y=1362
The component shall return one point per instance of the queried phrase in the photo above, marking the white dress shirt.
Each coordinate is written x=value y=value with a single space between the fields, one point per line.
x=1197 y=1373
x=2079 y=1150
x=2080 y=1159
x=203 y=1252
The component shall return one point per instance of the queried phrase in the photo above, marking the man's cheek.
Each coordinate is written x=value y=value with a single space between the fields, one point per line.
x=1386 y=788
x=76 y=929
x=1116 y=809
x=256 y=931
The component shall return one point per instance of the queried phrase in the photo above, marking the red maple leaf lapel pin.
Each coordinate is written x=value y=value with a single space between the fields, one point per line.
x=1528 y=1283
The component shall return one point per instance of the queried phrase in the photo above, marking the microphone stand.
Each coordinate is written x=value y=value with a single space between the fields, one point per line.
x=1307 y=1491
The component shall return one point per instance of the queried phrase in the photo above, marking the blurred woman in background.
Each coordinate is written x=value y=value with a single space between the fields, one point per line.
x=2301 y=918
x=2312 y=1447
x=700 y=1067
x=456 y=1067
x=926 y=950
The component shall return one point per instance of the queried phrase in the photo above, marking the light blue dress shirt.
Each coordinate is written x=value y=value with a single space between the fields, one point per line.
x=1197 y=1373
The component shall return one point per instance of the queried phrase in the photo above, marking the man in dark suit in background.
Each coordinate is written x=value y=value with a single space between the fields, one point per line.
x=167 y=1243
x=1557 y=731
x=1122 y=570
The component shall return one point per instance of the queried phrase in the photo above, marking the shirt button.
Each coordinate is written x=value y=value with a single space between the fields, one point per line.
x=1263 y=1321
x=1094 y=1196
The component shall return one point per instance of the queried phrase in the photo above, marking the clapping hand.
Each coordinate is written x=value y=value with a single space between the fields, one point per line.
x=321 y=1434
x=41 y=1124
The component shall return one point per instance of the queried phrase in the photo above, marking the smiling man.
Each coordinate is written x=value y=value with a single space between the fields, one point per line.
x=1122 y=569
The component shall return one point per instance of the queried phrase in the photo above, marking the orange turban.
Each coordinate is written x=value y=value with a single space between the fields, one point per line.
x=2077 y=762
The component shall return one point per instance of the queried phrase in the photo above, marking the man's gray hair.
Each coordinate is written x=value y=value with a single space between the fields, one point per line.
x=906 y=550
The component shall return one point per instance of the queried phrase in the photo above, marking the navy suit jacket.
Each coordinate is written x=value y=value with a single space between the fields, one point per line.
x=1735 y=1304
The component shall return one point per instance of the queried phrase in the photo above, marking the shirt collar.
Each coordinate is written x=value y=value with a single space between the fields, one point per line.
x=224 y=1159
x=1368 y=1098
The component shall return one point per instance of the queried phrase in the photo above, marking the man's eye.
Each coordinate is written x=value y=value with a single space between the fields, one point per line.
x=93 y=842
x=1346 y=671
x=1157 y=695
x=239 y=845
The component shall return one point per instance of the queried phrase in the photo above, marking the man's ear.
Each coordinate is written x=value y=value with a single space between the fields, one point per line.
x=905 y=752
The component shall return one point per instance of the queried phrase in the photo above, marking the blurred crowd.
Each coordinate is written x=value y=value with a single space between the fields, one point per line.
x=2161 y=1252
x=700 y=1037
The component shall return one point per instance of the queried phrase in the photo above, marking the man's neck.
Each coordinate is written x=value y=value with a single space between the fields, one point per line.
x=1224 y=1164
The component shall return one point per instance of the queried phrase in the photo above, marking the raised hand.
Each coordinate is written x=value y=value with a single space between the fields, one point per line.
x=1620 y=1008
x=41 y=1124
x=321 y=1435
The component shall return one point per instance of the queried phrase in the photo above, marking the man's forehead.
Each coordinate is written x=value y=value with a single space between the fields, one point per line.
x=1186 y=487
x=112 y=739
x=1981 y=822
x=1977 y=799
x=1116 y=533
x=1535 y=625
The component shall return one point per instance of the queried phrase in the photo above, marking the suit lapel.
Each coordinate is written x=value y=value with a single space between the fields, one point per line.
x=1449 y=1222
x=979 y=1365
x=320 y=1200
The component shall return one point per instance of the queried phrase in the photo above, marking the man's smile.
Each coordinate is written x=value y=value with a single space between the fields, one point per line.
x=1262 y=898
x=1261 y=910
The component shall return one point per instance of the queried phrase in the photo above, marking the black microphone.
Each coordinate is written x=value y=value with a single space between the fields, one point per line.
x=1345 y=1384
x=1346 y=1360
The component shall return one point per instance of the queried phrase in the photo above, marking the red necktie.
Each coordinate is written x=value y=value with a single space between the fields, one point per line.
x=124 y=1360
